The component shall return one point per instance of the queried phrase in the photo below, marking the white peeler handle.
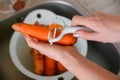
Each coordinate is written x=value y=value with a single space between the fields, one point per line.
x=67 y=30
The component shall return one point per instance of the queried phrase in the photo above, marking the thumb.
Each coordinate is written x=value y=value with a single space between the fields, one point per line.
x=87 y=35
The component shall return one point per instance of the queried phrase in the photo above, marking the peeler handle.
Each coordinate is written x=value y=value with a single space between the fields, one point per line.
x=67 y=30
x=73 y=29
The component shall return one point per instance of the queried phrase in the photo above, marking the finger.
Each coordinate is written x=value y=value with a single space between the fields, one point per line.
x=34 y=43
x=25 y=36
x=97 y=13
x=90 y=22
x=88 y=35
x=78 y=20
x=101 y=14
x=36 y=40
x=28 y=38
x=31 y=41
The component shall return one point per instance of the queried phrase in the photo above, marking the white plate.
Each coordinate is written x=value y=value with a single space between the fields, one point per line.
x=20 y=52
x=46 y=18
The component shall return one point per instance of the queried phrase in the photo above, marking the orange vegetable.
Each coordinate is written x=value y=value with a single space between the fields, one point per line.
x=60 y=68
x=50 y=67
x=38 y=60
x=55 y=25
x=36 y=23
x=58 y=27
x=41 y=33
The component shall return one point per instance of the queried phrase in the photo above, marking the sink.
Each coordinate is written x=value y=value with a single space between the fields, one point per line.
x=105 y=55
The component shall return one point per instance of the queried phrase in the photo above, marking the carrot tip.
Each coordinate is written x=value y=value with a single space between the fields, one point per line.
x=16 y=26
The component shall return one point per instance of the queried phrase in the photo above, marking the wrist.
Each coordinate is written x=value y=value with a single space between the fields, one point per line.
x=71 y=60
x=67 y=57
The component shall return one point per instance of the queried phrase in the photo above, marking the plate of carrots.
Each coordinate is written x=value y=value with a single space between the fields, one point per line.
x=30 y=61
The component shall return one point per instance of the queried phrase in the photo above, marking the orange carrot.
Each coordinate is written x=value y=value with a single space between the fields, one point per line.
x=50 y=67
x=60 y=68
x=41 y=33
x=38 y=62
x=36 y=23
x=57 y=26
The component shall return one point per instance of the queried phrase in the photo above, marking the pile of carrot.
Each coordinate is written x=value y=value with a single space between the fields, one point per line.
x=46 y=66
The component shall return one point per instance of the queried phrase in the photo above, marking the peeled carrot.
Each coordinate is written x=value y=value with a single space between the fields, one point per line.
x=38 y=62
x=50 y=67
x=41 y=33
x=60 y=68
x=58 y=27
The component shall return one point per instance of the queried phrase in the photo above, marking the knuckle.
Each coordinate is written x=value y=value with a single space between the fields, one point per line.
x=74 y=17
x=29 y=44
x=95 y=20
x=84 y=35
x=96 y=13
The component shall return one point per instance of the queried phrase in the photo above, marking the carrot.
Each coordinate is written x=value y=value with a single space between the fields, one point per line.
x=36 y=23
x=57 y=26
x=41 y=33
x=60 y=68
x=50 y=67
x=38 y=62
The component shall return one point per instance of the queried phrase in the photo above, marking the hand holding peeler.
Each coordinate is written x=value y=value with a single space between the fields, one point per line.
x=66 y=29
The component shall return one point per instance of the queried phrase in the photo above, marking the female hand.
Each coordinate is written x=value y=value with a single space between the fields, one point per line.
x=106 y=27
x=77 y=64
x=55 y=52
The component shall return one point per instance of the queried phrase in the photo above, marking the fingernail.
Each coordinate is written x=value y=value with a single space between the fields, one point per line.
x=25 y=36
x=76 y=35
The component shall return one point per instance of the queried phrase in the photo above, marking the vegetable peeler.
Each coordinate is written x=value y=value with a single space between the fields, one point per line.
x=65 y=30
